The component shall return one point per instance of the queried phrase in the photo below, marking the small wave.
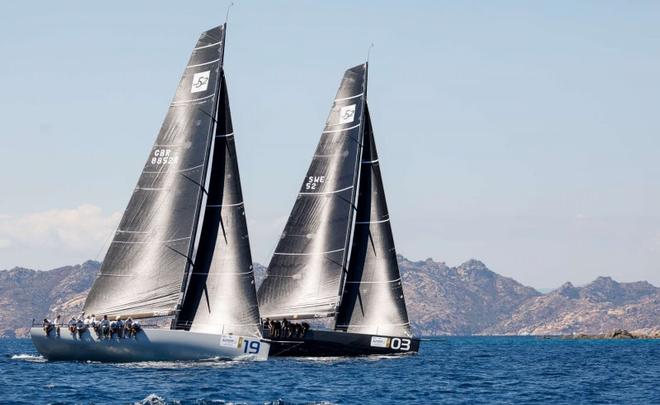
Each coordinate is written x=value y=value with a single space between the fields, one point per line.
x=176 y=365
x=151 y=399
x=28 y=357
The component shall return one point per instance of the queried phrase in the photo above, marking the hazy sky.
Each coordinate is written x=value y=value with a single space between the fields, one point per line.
x=524 y=134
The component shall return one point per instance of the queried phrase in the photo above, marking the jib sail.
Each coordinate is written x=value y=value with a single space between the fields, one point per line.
x=221 y=296
x=373 y=301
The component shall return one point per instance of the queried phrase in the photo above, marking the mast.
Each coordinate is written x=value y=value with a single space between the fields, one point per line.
x=373 y=300
x=146 y=267
x=304 y=278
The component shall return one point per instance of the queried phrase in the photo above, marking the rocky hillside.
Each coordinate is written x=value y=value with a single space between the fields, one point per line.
x=461 y=300
x=26 y=294
x=442 y=300
x=600 y=306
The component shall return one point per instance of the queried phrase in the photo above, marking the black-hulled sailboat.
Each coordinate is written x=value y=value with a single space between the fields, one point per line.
x=336 y=256
x=181 y=250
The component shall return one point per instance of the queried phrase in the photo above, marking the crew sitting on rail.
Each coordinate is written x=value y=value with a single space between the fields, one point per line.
x=72 y=325
x=277 y=329
x=128 y=326
x=286 y=329
x=80 y=327
x=118 y=327
x=135 y=328
x=105 y=327
x=48 y=326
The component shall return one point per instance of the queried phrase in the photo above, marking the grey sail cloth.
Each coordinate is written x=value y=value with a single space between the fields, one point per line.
x=221 y=296
x=373 y=301
x=145 y=268
x=305 y=275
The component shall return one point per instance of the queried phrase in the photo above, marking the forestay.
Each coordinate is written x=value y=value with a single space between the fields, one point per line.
x=305 y=275
x=373 y=301
x=145 y=268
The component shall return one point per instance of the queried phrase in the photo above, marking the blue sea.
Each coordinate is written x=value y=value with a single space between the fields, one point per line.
x=453 y=370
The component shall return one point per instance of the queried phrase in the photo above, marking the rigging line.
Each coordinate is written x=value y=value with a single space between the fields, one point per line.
x=369 y=51
x=224 y=233
x=105 y=244
x=208 y=301
x=181 y=254
x=201 y=186
x=371 y=239
x=349 y=203
x=227 y=15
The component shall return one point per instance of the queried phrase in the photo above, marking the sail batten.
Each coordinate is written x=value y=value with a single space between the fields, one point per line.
x=305 y=275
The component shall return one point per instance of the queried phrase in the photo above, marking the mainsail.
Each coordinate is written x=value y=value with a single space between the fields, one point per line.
x=373 y=301
x=221 y=296
x=146 y=267
x=305 y=275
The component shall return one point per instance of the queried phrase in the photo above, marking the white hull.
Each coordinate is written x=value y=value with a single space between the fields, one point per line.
x=149 y=345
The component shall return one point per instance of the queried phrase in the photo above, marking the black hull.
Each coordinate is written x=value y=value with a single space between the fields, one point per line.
x=335 y=344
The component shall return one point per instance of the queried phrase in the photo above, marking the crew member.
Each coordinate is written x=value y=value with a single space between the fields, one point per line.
x=58 y=322
x=48 y=326
x=105 y=327
x=119 y=327
x=72 y=325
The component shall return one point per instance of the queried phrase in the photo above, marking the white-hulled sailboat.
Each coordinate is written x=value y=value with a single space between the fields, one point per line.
x=182 y=248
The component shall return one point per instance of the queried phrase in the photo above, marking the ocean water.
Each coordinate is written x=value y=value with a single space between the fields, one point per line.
x=455 y=370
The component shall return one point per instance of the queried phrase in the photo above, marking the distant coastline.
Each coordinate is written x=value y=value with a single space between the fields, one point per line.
x=466 y=300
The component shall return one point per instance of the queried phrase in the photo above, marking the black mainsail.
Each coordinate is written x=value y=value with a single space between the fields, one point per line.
x=306 y=274
x=221 y=296
x=373 y=301
x=146 y=268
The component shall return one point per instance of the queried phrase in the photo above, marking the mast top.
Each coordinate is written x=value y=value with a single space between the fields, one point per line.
x=227 y=15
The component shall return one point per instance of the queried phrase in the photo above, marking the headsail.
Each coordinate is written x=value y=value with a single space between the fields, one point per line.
x=145 y=268
x=305 y=275
x=373 y=301
x=221 y=296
